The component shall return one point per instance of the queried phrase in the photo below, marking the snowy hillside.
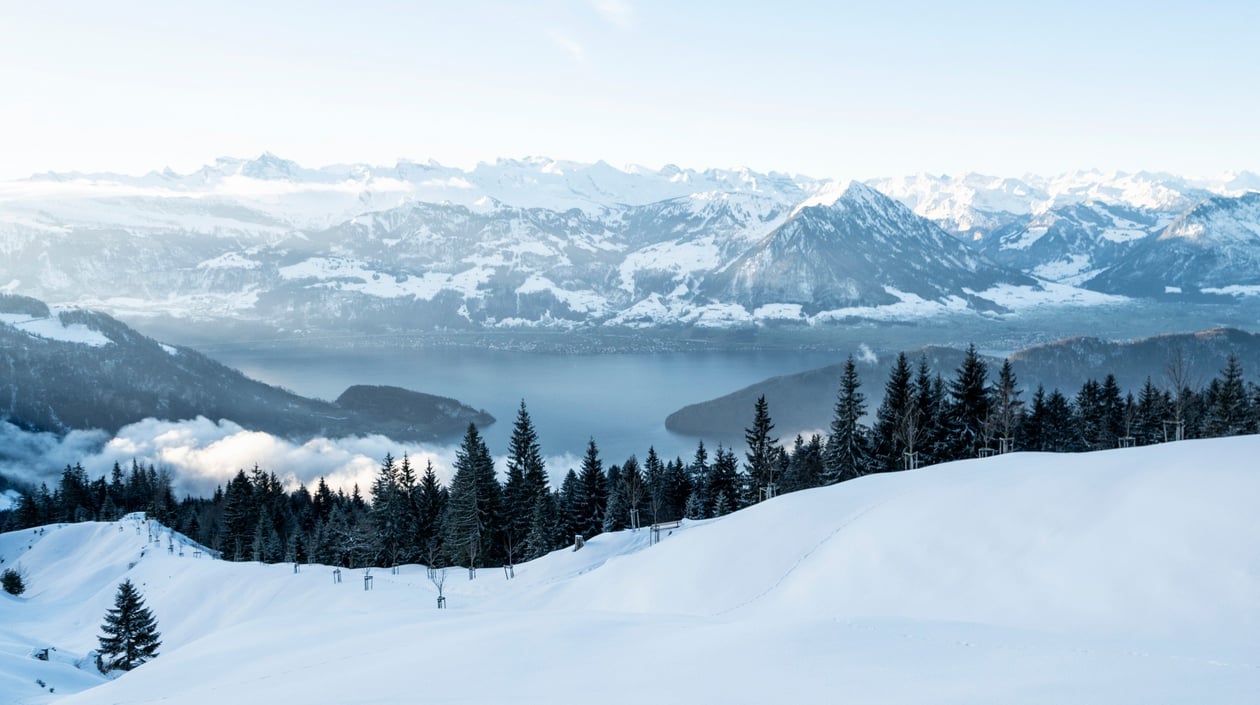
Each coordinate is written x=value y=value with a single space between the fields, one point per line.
x=1213 y=248
x=1115 y=577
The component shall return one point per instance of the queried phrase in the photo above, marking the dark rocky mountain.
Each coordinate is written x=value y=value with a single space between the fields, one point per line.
x=62 y=370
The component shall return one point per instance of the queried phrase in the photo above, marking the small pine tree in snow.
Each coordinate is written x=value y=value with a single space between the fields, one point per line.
x=694 y=508
x=722 y=504
x=545 y=532
x=131 y=635
x=11 y=581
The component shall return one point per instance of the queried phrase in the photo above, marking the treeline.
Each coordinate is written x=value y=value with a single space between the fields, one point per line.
x=77 y=498
x=408 y=516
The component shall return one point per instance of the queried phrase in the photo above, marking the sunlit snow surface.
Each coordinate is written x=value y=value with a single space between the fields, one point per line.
x=968 y=202
x=1115 y=577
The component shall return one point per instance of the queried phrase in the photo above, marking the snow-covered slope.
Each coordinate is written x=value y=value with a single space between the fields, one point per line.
x=1212 y=248
x=1071 y=243
x=974 y=205
x=1115 y=577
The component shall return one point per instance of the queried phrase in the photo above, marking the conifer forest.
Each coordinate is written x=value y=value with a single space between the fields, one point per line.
x=408 y=515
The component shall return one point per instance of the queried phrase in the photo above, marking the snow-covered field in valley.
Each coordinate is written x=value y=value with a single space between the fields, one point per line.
x=1128 y=576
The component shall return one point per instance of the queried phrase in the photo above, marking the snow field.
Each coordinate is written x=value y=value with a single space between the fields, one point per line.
x=53 y=328
x=1125 y=576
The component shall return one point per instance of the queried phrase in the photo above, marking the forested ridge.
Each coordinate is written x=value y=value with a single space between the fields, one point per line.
x=478 y=519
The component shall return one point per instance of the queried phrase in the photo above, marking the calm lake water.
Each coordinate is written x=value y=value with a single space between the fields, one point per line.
x=619 y=399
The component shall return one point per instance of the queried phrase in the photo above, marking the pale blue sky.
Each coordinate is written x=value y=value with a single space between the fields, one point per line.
x=827 y=89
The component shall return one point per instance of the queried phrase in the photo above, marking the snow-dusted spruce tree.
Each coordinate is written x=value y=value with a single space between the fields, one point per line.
x=526 y=480
x=545 y=530
x=594 y=495
x=473 y=520
x=763 y=451
x=969 y=405
x=891 y=415
x=617 y=510
x=724 y=482
x=1227 y=404
x=1007 y=409
x=848 y=453
x=131 y=635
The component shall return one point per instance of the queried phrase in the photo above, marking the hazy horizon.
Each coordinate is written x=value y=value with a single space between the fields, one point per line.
x=626 y=167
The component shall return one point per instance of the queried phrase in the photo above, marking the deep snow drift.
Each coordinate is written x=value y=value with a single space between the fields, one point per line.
x=1126 y=576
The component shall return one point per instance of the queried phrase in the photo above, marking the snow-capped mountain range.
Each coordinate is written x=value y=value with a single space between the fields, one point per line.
x=544 y=242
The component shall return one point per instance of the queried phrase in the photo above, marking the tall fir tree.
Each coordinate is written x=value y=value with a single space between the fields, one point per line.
x=526 y=476
x=634 y=491
x=761 y=459
x=678 y=489
x=410 y=548
x=1060 y=431
x=617 y=512
x=1150 y=415
x=848 y=453
x=657 y=490
x=1112 y=400
x=130 y=636
x=1091 y=416
x=724 y=483
x=239 y=518
x=698 y=499
x=969 y=406
x=929 y=392
x=390 y=512
x=545 y=531
x=1007 y=409
x=323 y=500
x=430 y=506
x=1031 y=432
x=1228 y=407
x=805 y=465
x=594 y=492
x=892 y=415
x=572 y=503
x=473 y=512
